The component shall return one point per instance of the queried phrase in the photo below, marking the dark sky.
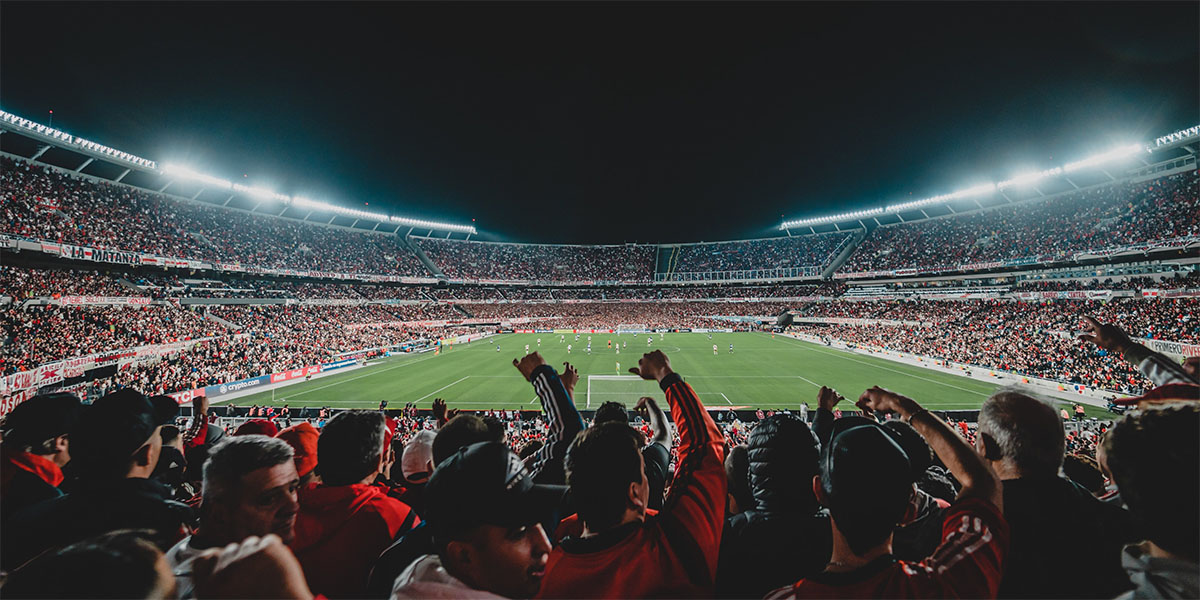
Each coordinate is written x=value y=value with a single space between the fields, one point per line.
x=610 y=122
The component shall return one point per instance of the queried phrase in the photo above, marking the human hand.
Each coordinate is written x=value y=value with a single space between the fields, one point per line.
x=644 y=403
x=200 y=405
x=653 y=365
x=439 y=409
x=877 y=399
x=827 y=398
x=255 y=568
x=528 y=363
x=570 y=377
x=1107 y=336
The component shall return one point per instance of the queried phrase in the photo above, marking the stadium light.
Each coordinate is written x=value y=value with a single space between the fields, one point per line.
x=989 y=188
x=1178 y=136
x=182 y=172
x=70 y=140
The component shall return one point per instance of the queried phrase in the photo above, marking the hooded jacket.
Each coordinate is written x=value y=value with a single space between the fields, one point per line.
x=426 y=578
x=1158 y=577
x=341 y=530
x=785 y=536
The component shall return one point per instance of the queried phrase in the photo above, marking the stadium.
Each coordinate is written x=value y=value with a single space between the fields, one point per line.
x=955 y=386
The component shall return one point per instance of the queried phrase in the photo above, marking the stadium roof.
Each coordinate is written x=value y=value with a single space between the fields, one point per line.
x=94 y=151
x=1121 y=155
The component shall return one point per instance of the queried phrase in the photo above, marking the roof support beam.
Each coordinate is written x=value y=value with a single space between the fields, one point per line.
x=85 y=163
x=197 y=194
x=164 y=187
x=40 y=152
x=227 y=200
x=122 y=175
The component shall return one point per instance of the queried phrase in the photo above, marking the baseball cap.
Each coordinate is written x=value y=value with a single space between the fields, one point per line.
x=864 y=468
x=418 y=455
x=486 y=484
x=115 y=426
x=302 y=437
x=1171 y=392
x=41 y=418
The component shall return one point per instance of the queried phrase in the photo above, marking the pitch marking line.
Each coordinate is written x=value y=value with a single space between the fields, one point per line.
x=442 y=388
x=726 y=398
x=841 y=355
x=411 y=362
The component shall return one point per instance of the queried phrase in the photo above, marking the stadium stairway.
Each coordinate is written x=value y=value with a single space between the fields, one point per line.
x=407 y=242
x=844 y=255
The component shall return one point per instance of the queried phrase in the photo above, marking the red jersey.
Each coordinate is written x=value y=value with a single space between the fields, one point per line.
x=968 y=564
x=671 y=554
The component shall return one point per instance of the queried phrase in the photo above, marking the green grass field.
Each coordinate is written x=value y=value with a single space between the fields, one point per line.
x=763 y=372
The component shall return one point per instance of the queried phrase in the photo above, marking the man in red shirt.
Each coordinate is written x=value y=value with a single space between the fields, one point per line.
x=622 y=552
x=347 y=521
x=866 y=484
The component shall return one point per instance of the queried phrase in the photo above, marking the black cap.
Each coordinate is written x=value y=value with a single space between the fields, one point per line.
x=863 y=467
x=115 y=426
x=41 y=418
x=486 y=484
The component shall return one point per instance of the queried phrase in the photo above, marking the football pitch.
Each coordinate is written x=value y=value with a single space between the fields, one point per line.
x=763 y=371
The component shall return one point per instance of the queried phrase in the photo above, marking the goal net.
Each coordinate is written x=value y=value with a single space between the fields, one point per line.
x=625 y=389
x=633 y=328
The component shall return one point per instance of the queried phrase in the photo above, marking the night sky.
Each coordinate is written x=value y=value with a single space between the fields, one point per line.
x=607 y=123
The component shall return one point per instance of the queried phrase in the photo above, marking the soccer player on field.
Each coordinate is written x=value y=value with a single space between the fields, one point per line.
x=731 y=348
x=714 y=349
x=618 y=368
x=568 y=348
x=526 y=348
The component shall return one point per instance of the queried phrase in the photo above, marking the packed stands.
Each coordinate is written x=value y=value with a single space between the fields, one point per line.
x=1120 y=215
x=746 y=255
x=509 y=262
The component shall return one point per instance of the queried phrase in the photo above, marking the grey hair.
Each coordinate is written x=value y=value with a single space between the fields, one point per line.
x=237 y=456
x=1027 y=429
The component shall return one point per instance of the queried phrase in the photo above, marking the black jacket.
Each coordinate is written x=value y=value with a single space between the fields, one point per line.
x=784 y=537
x=93 y=509
x=1064 y=543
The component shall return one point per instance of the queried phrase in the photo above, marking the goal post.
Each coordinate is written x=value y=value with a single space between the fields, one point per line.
x=625 y=389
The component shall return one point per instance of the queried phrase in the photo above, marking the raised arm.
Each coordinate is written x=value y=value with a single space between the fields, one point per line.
x=827 y=398
x=658 y=421
x=977 y=478
x=562 y=417
x=197 y=432
x=1155 y=366
x=695 y=506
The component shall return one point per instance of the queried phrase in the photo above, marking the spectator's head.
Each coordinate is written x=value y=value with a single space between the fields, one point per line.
x=865 y=481
x=1084 y=471
x=351 y=449
x=485 y=513
x=1155 y=461
x=784 y=456
x=416 y=463
x=606 y=475
x=170 y=437
x=41 y=426
x=117 y=436
x=495 y=428
x=530 y=448
x=119 y=564
x=920 y=455
x=611 y=412
x=1021 y=434
x=303 y=440
x=460 y=432
x=257 y=427
x=737 y=475
x=250 y=486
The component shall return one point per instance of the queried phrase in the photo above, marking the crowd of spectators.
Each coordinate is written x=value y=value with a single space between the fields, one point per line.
x=744 y=255
x=882 y=499
x=44 y=204
x=23 y=284
x=537 y=262
x=1090 y=220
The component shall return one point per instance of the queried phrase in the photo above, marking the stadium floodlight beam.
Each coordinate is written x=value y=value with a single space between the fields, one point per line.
x=1115 y=154
x=172 y=170
x=1178 y=136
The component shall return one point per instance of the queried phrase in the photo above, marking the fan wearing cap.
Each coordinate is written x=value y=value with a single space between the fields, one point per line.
x=624 y=553
x=114 y=447
x=347 y=521
x=866 y=483
x=36 y=447
x=302 y=437
x=485 y=513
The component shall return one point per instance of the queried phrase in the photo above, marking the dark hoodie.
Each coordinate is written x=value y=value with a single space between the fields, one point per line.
x=784 y=537
x=341 y=531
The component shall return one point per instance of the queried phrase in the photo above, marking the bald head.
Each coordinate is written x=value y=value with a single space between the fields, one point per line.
x=1023 y=431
